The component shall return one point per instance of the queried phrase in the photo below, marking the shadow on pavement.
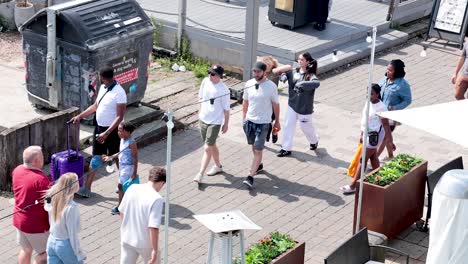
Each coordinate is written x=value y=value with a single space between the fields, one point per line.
x=177 y=211
x=98 y=200
x=321 y=157
x=285 y=190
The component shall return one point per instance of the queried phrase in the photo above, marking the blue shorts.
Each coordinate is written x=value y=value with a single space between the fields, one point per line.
x=256 y=134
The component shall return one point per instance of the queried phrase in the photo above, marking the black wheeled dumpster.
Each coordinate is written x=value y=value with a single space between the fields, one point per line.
x=291 y=13
x=66 y=45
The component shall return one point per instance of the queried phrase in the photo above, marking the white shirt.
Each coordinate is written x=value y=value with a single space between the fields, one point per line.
x=67 y=227
x=213 y=114
x=374 y=120
x=107 y=107
x=260 y=101
x=141 y=207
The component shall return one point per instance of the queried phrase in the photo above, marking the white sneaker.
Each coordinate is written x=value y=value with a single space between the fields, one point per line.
x=198 y=178
x=383 y=160
x=347 y=189
x=214 y=170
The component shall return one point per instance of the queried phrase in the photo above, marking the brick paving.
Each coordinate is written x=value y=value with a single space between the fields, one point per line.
x=297 y=195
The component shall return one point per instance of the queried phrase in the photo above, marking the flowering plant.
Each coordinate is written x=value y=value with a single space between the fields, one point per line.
x=268 y=249
x=393 y=170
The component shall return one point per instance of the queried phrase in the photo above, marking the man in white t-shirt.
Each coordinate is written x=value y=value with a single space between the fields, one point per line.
x=110 y=108
x=214 y=116
x=141 y=213
x=259 y=100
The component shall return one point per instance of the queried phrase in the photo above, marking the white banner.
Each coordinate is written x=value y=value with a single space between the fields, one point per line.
x=450 y=15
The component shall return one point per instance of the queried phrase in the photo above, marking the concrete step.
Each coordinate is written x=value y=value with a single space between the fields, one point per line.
x=359 y=49
x=150 y=132
x=136 y=115
x=171 y=84
x=344 y=41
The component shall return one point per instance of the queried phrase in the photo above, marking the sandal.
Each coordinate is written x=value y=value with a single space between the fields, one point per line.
x=347 y=189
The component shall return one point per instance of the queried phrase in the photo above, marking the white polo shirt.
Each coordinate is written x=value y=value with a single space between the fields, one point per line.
x=107 y=107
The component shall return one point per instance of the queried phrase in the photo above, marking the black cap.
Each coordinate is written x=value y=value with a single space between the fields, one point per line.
x=217 y=69
x=260 y=66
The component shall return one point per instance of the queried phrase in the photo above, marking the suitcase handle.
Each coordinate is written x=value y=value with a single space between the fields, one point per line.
x=77 y=136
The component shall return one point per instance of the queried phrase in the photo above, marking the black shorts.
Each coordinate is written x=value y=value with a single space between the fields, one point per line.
x=110 y=146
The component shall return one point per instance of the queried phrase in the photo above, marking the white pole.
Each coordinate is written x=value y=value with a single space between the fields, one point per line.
x=170 y=126
x=365 y=134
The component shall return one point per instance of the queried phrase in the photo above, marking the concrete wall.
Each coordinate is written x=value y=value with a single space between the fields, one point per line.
x=49 y=132
x=411 y=10
x=205 y=45
x=7 y=11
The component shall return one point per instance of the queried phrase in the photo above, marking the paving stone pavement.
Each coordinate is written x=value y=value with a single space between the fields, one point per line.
x=297 y=195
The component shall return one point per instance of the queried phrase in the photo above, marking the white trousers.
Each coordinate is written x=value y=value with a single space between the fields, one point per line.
x=289 y=129
x=129 y=254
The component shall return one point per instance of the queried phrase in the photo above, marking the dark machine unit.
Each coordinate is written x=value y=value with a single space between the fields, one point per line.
x=291 y=13
x=296 y=13
x=66 y=45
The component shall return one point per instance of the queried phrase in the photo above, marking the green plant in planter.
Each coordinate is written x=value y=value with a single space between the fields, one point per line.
x=393 y=170
x=268 y=249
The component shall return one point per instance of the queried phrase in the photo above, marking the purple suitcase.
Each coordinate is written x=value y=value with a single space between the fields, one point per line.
x=68 y=160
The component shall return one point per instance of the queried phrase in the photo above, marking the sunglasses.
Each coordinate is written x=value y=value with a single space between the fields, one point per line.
x=211 y=74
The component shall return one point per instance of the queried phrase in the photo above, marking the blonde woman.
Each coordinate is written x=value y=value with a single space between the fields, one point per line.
x=274 y=72
x=63 y=245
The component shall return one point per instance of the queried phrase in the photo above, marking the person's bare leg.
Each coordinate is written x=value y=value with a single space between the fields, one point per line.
x=382 y=146
x=357 y=174
x=24 y=256
x=258 y=154
x=215 y=155
x=460 y=88
x=389 y=149
x=374 y=160
x=41 y=258
x=207 y=154
x=121 y=194
x=90 y=178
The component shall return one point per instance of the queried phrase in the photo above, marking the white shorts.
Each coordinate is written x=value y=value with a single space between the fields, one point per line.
x=129 y=254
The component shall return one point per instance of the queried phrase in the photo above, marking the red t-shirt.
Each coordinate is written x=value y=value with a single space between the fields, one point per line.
x=30 y=185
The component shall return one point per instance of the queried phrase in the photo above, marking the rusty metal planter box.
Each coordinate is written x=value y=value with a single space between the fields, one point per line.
x=392 y=209
x=292 y=256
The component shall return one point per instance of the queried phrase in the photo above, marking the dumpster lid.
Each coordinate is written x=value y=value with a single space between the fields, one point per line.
x=91 y=22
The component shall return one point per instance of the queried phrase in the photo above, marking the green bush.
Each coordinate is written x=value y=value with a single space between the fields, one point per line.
x=268 y=249
x=393 y=170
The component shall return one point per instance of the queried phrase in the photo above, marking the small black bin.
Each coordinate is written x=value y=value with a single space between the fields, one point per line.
x=89 y=36
x=291 y=13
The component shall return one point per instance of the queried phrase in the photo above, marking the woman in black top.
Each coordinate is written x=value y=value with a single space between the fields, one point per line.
x=302 y=84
